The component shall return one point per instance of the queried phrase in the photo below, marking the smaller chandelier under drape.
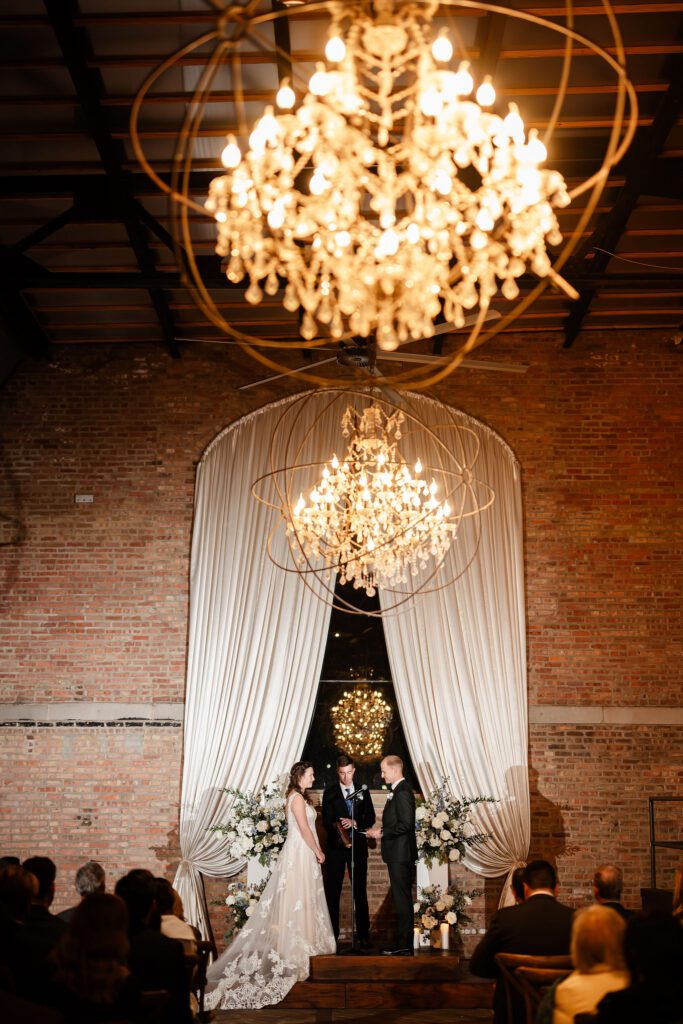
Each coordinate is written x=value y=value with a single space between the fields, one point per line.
x=370 y=516
x=374 y=516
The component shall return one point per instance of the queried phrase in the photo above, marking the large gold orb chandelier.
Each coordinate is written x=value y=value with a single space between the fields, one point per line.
x=375 y=518
x=386 y=190
x=360 y=721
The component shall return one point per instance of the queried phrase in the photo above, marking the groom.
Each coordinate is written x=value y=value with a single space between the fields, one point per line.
x=399 y=851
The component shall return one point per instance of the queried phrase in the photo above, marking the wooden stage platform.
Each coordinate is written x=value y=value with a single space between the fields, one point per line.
x=430 y=980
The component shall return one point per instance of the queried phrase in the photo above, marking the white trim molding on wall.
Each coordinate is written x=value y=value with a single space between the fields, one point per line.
x=83 y=713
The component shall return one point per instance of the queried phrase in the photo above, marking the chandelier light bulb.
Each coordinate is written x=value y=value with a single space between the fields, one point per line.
x=335 y=50
x=463 y=82
x=535 y=148
x=286 y=97
x=319 y=83
x=486 y=94
x=442 y=48
x=513 y=124
x=232 y=154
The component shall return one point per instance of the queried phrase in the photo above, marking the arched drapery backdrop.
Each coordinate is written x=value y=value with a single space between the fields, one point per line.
x=257 y=639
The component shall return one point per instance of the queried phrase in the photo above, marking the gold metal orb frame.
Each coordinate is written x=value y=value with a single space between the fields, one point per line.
x=449 y=451
x=241 y=24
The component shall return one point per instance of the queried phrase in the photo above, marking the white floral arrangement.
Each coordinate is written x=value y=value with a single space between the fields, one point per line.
x=242 y=900
x=443 y=825
x=257 y=827
x=434 y=907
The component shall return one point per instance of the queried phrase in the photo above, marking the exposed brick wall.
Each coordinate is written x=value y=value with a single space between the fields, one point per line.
x=94 y=598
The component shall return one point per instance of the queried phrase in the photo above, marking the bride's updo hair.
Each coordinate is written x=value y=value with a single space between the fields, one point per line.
x=296 y=773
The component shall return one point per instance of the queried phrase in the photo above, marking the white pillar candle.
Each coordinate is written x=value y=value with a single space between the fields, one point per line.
x=417 y=932
x=445 y=934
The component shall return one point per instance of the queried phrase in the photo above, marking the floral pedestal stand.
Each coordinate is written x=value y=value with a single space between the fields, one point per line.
x=256 y=872
x=437 y=874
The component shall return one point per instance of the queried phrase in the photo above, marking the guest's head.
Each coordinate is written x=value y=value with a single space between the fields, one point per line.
x=391 y=768
x=607 y=883
x=138 y=891
x=45 y=871
x=653 y=948
x=517 y=884
x=301 y=777
x=18 y=889
x=165 y=896
x=539 y=874
x=6 y=862
x=346 y=768
x=597 y=938
x=90 y=960
x=90 y=878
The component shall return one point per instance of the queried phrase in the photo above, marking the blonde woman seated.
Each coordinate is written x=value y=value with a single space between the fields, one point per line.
x=597 y=955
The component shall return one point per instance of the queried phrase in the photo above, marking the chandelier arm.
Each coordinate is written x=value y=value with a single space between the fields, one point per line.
x=564 y=77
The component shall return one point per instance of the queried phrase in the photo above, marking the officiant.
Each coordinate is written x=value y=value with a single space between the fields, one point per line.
x=337 y=817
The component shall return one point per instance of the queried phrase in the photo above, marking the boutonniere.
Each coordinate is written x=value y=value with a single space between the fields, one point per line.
x=390 y=797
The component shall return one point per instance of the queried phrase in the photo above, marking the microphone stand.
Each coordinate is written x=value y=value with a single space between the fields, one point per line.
x=353 y=950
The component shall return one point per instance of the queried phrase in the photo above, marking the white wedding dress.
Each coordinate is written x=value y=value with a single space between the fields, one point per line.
x=289 y=925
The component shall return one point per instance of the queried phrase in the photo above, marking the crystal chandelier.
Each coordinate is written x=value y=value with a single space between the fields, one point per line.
x=360 y=721
x=369 y=516
x=386 y=195
x=381 y=191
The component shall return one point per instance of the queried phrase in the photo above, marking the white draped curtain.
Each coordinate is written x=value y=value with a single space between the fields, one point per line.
x=257 y=639
x=458 y=656
x=256 y=643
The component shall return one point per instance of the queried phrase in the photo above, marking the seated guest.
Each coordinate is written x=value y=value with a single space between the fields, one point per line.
x=18 y=888
x=653 y=950
x=171 y=925
x=598 y=958
x=43 y=929
x=6 y=862
x=607 y=884
x=155 y=960
x=540 y=926
x=90 y=878
x=91 y=980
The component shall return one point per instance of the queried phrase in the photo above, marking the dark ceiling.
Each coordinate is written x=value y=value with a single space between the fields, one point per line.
x=85 y=244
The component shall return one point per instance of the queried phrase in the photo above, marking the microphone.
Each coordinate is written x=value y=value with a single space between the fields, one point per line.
x=358 y=794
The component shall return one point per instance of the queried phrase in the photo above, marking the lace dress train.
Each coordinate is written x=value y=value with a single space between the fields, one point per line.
x=289 y=925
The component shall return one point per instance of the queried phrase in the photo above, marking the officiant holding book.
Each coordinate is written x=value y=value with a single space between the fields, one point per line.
x=338 y=813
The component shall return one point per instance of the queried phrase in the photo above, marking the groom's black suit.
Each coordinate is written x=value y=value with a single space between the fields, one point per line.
x=338 y=857
x=399 y=853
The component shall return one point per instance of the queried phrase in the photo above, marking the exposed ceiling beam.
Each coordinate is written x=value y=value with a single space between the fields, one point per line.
x=90 y=89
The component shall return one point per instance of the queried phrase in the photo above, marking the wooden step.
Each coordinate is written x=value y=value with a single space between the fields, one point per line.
x=430 y=980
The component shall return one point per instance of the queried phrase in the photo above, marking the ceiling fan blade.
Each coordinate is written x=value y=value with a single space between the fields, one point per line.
x=472 y=364
x=290 y=373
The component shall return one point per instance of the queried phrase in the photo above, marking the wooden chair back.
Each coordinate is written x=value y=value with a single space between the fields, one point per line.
x=154 y=1006
x=197 y=968
x=527 y=978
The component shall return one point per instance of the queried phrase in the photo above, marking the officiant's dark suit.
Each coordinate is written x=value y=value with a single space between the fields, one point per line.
x=399 y=853
x=338 y=856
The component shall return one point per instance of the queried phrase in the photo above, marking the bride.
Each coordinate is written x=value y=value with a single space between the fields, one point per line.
x=290 y=923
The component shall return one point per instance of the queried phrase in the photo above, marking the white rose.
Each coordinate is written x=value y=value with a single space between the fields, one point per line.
x=420 y=814
x=451 y=917
x=416 y=907
x=429 y=922
x=448 y=900
x=454 y=854
x=436 y=821
x=262 y=826
x=467 y=900
x=249 y=911
x=440 y=905
x=445 y=834
x=434 y=841
x=230 y=901
x=258 y=847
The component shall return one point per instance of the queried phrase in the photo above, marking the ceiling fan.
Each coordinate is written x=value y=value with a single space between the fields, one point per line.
x=363 y=354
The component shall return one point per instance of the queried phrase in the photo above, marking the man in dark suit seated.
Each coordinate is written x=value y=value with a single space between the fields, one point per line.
x=155 y=960
x=399 y=851
x=607 y=883
x=336 y=811
x=43 y=929
x=540 y=926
